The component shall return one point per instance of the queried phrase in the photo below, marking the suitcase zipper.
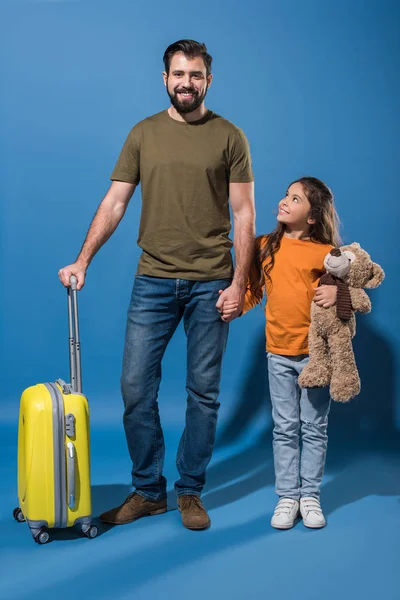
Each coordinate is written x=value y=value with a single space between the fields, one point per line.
x=60 y=509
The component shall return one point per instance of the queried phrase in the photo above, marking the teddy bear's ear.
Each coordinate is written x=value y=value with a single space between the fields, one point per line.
x=378 y=275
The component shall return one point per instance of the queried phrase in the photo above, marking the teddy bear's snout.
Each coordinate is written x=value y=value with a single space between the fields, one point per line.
x=335 y=261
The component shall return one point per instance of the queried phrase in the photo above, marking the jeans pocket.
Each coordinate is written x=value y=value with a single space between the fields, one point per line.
x=223 y=284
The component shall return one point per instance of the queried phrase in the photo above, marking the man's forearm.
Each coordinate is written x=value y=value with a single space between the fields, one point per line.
x=243 y=241
x=105 y=222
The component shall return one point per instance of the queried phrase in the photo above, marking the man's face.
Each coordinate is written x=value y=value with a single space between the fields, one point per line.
x=187 y=82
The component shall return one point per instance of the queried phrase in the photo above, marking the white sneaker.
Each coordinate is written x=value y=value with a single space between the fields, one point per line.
x=285 y=513
x=311 y=511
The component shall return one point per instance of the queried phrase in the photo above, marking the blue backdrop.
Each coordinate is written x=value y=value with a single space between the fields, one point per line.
x=315 y=87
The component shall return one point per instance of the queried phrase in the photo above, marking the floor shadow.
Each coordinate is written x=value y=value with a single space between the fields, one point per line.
x=238 y=490
x=373 y=474
x=240 y=475
x=70 y=533
x=240 y=463
x=253 y=396
x=364 y=446
x=106 y=496
x=372 y=414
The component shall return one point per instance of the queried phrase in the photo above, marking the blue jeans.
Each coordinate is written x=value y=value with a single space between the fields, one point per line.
x=156 y=308
x=296 y=410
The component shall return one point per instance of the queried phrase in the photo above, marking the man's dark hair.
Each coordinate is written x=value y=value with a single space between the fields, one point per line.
x=190 y=49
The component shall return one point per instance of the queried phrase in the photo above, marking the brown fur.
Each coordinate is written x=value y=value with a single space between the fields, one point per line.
x=332 y=359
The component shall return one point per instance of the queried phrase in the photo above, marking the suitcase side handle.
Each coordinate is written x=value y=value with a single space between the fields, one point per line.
x=74 y=341
x=71 y=474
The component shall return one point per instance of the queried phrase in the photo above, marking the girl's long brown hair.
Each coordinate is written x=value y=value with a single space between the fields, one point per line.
x=324 y=231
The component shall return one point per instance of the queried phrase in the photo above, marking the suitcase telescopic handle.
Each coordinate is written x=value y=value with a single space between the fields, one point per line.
x=74 y=342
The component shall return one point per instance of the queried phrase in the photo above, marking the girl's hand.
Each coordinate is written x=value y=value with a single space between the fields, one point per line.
x=325 y=295
x=228 y=309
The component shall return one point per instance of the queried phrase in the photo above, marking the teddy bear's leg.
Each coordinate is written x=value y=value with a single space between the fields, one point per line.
x=317 y=372
x=345 y=380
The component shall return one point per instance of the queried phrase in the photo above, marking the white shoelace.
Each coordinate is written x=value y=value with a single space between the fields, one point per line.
x=285 y=505
x=312 y=505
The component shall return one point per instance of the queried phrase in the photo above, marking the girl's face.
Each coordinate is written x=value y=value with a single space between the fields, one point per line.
x=294 y=209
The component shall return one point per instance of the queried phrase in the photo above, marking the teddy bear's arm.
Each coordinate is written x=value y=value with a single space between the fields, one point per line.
x=360 y=300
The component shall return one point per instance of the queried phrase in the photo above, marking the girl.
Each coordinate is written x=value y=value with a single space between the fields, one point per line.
x=287 y=266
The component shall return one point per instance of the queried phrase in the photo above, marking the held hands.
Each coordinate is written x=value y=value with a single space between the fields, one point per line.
x=230 y=303
x=325 y=295
x=75 y=269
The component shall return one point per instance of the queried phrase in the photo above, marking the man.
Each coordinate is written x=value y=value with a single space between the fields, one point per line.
x=191 y=163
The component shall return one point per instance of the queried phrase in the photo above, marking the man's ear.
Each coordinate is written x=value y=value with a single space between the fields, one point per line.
x=209 y=80
x=165 y=77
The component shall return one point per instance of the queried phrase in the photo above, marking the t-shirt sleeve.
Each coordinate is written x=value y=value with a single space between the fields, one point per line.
x=128 y=163
x=240 y=170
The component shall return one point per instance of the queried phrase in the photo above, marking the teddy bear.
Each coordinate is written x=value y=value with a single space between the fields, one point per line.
x=332 y=329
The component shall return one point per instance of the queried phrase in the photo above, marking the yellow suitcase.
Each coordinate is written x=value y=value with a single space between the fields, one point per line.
x=53 y=449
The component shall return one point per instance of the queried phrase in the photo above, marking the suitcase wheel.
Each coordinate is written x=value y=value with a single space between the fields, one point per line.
x=18 y=516
x=42 y=536
x=91 y=532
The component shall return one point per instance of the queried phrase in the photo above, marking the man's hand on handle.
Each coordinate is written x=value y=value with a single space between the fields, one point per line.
x=75 y=269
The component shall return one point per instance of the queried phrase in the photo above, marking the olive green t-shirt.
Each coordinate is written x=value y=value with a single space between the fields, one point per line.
x=184 y=170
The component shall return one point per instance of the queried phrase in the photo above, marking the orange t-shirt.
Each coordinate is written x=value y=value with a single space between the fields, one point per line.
x=298 y=267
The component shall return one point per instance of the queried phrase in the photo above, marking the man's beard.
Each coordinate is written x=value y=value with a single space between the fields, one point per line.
x=189 y=106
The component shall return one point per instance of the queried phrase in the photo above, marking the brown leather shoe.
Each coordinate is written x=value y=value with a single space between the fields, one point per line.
x=134 y=507
x=194 y=515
